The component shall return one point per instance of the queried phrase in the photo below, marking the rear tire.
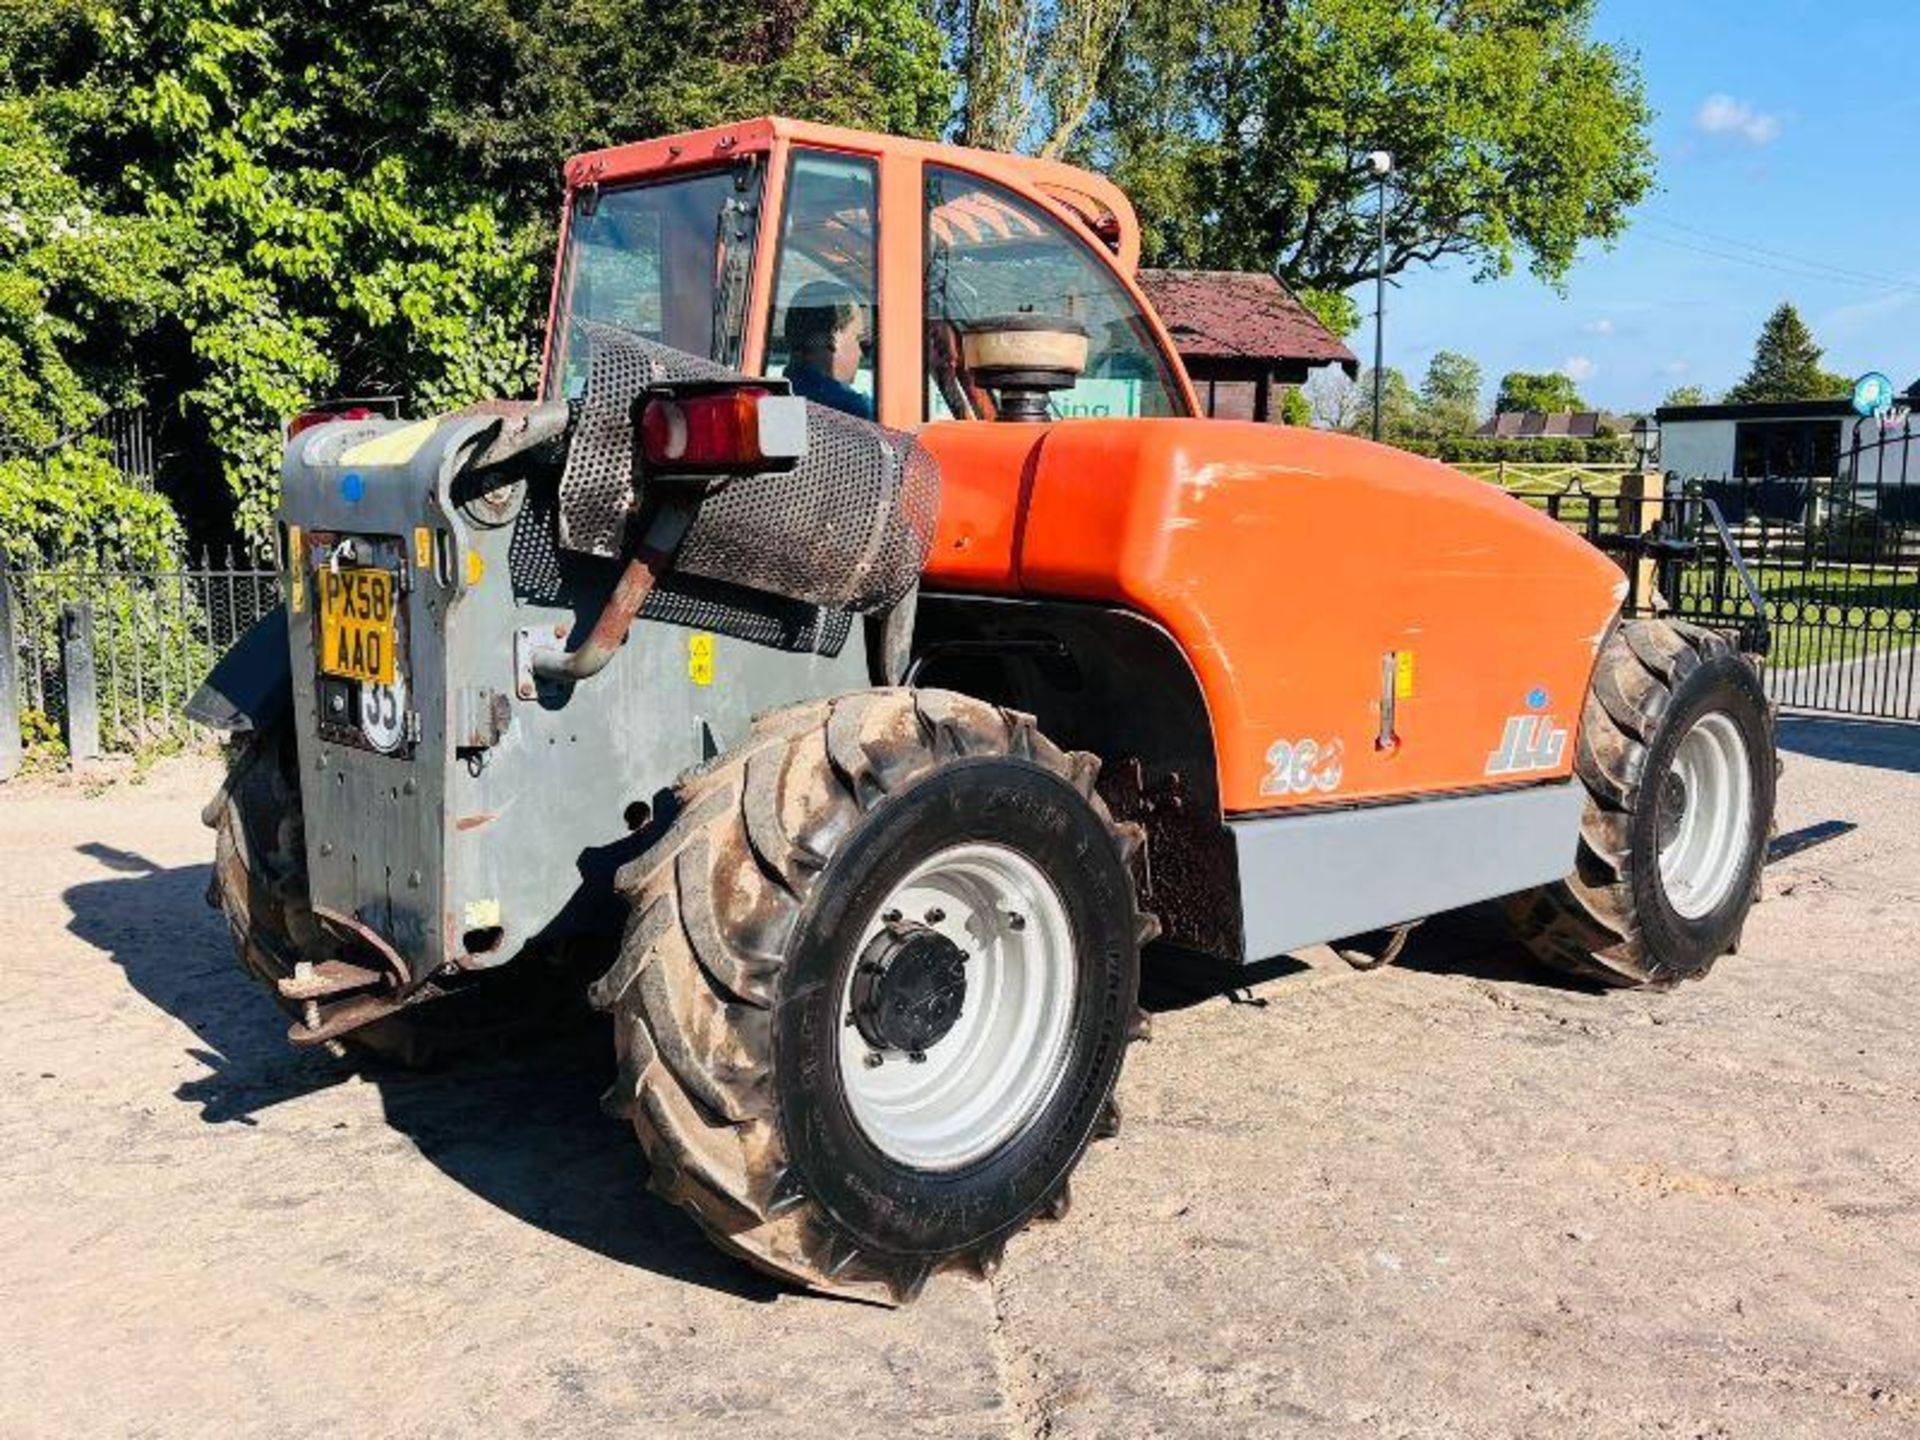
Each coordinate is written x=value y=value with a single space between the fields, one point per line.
x=746 y=1042
x=1676 y=752
x=260 y=883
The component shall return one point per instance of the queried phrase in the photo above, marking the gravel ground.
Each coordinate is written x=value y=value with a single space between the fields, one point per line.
x=1448 y=1198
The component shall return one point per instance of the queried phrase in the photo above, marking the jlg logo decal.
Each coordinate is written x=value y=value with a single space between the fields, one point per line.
x=1303 y=767
x=1529 y=742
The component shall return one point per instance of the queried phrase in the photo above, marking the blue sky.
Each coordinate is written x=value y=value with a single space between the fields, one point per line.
x=1786 y=140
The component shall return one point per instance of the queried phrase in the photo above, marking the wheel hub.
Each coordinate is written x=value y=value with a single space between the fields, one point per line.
x=967 y=965
x=908 y=988
x=1704 y=820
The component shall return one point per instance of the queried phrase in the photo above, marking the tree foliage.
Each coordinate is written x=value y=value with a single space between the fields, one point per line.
x=1444 y=408
x=1450 y=394
x=1399 y=406
x=73 y=505
x=1686 y=395
x=1786 y=365
x=1031 y=70
x=1523 y=390
x=228 y=208
x=1241 y=132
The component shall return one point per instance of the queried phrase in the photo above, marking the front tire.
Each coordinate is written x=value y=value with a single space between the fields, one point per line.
x=876 y=989
x=1676 y=752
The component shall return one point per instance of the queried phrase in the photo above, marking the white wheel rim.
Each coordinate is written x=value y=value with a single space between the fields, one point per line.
x=1706 y=816
x=984 y=1080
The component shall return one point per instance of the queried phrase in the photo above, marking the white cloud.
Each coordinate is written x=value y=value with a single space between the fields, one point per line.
x=1577 y=367
x=1675 y=367
x=1724 y=115
x=1602 y=326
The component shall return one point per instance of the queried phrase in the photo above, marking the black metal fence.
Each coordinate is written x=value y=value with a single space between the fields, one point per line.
x=129 y=445
x=1820 y=572
x=104 y=660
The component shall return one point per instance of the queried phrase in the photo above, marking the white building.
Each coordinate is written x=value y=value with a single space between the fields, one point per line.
x=1803 y=440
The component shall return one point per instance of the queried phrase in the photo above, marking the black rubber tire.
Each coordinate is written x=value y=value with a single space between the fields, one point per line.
x=1610 y=920
x=743 y=919
x=260 y=883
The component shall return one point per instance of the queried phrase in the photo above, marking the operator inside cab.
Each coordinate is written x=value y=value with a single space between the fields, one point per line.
x=826 y=334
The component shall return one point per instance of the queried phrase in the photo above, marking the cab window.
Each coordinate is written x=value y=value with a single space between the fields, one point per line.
x=991 y=254
x=668 y=260
x=824 y=325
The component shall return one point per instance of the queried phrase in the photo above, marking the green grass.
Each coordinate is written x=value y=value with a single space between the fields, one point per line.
x=1817 y=616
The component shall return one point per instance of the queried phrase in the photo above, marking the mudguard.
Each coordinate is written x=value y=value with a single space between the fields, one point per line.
x=251 y=688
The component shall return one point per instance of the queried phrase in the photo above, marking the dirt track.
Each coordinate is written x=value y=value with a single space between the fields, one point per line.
x=1450 y=1198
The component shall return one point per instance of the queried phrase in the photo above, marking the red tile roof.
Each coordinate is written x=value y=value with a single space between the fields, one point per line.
x=1545 y=425
x=1238 y=315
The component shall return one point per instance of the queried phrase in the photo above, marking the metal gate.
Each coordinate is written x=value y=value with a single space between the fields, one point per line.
x=1819 y=573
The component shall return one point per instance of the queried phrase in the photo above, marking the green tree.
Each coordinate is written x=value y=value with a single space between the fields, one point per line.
x=1786 y=365
x=285 y=200
x=76 y=287
x=1686 y=395
x=1241 y=132
x=1522 y=390
x=1450 y=395
x=1399 y=406
x=1030 y=70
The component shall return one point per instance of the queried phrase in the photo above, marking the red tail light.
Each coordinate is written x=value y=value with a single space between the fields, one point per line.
x=307 y=419
x=721 y=432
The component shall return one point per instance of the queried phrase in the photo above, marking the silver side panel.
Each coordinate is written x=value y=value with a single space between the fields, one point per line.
x=1319 y=876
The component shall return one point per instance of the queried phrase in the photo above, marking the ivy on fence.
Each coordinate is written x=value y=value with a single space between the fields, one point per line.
x=156 y=634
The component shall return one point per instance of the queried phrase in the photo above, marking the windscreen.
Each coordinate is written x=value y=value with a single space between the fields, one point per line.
x=667 y=260
x=990 y=253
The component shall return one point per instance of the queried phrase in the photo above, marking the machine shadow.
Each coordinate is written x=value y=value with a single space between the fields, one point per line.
x=1172 y=978
x=524 y=1132
x=1879 y=744
x=1477 y=942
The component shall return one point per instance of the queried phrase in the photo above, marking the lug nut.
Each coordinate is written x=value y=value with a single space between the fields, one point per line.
x=1016 y=921
x=874 y=1060
x=917 y=1057
x=889 y=917
x=936 y=915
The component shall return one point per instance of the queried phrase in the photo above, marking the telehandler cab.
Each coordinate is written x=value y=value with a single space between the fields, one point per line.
x=862 y=648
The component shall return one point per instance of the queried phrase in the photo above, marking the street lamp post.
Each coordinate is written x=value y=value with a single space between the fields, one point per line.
x=1646 y=440
x=1380 y=163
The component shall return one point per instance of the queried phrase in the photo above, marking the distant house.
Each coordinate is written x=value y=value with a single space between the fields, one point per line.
x=1240 y=333
x=1799 y=439
x=1549 y=425
x=1754 y=441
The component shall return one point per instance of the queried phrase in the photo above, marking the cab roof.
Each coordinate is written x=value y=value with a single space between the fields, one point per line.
x=1095 y=201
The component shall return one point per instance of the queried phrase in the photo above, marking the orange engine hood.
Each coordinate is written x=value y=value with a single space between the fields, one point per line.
x=1289 y=564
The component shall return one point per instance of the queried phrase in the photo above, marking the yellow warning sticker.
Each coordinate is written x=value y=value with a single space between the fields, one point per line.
x=1403 y=675
x=391 y=447
x=296 y=569
x=476 y=567
x=700 y=659
x=422 y=547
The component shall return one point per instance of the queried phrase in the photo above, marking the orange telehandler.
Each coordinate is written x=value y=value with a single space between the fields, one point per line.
x=862 y=648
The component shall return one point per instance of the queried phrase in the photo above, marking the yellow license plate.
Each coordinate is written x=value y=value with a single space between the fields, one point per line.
x=357 y=630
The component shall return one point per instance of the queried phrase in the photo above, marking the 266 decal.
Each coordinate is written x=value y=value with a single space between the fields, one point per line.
x=1304 y=767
